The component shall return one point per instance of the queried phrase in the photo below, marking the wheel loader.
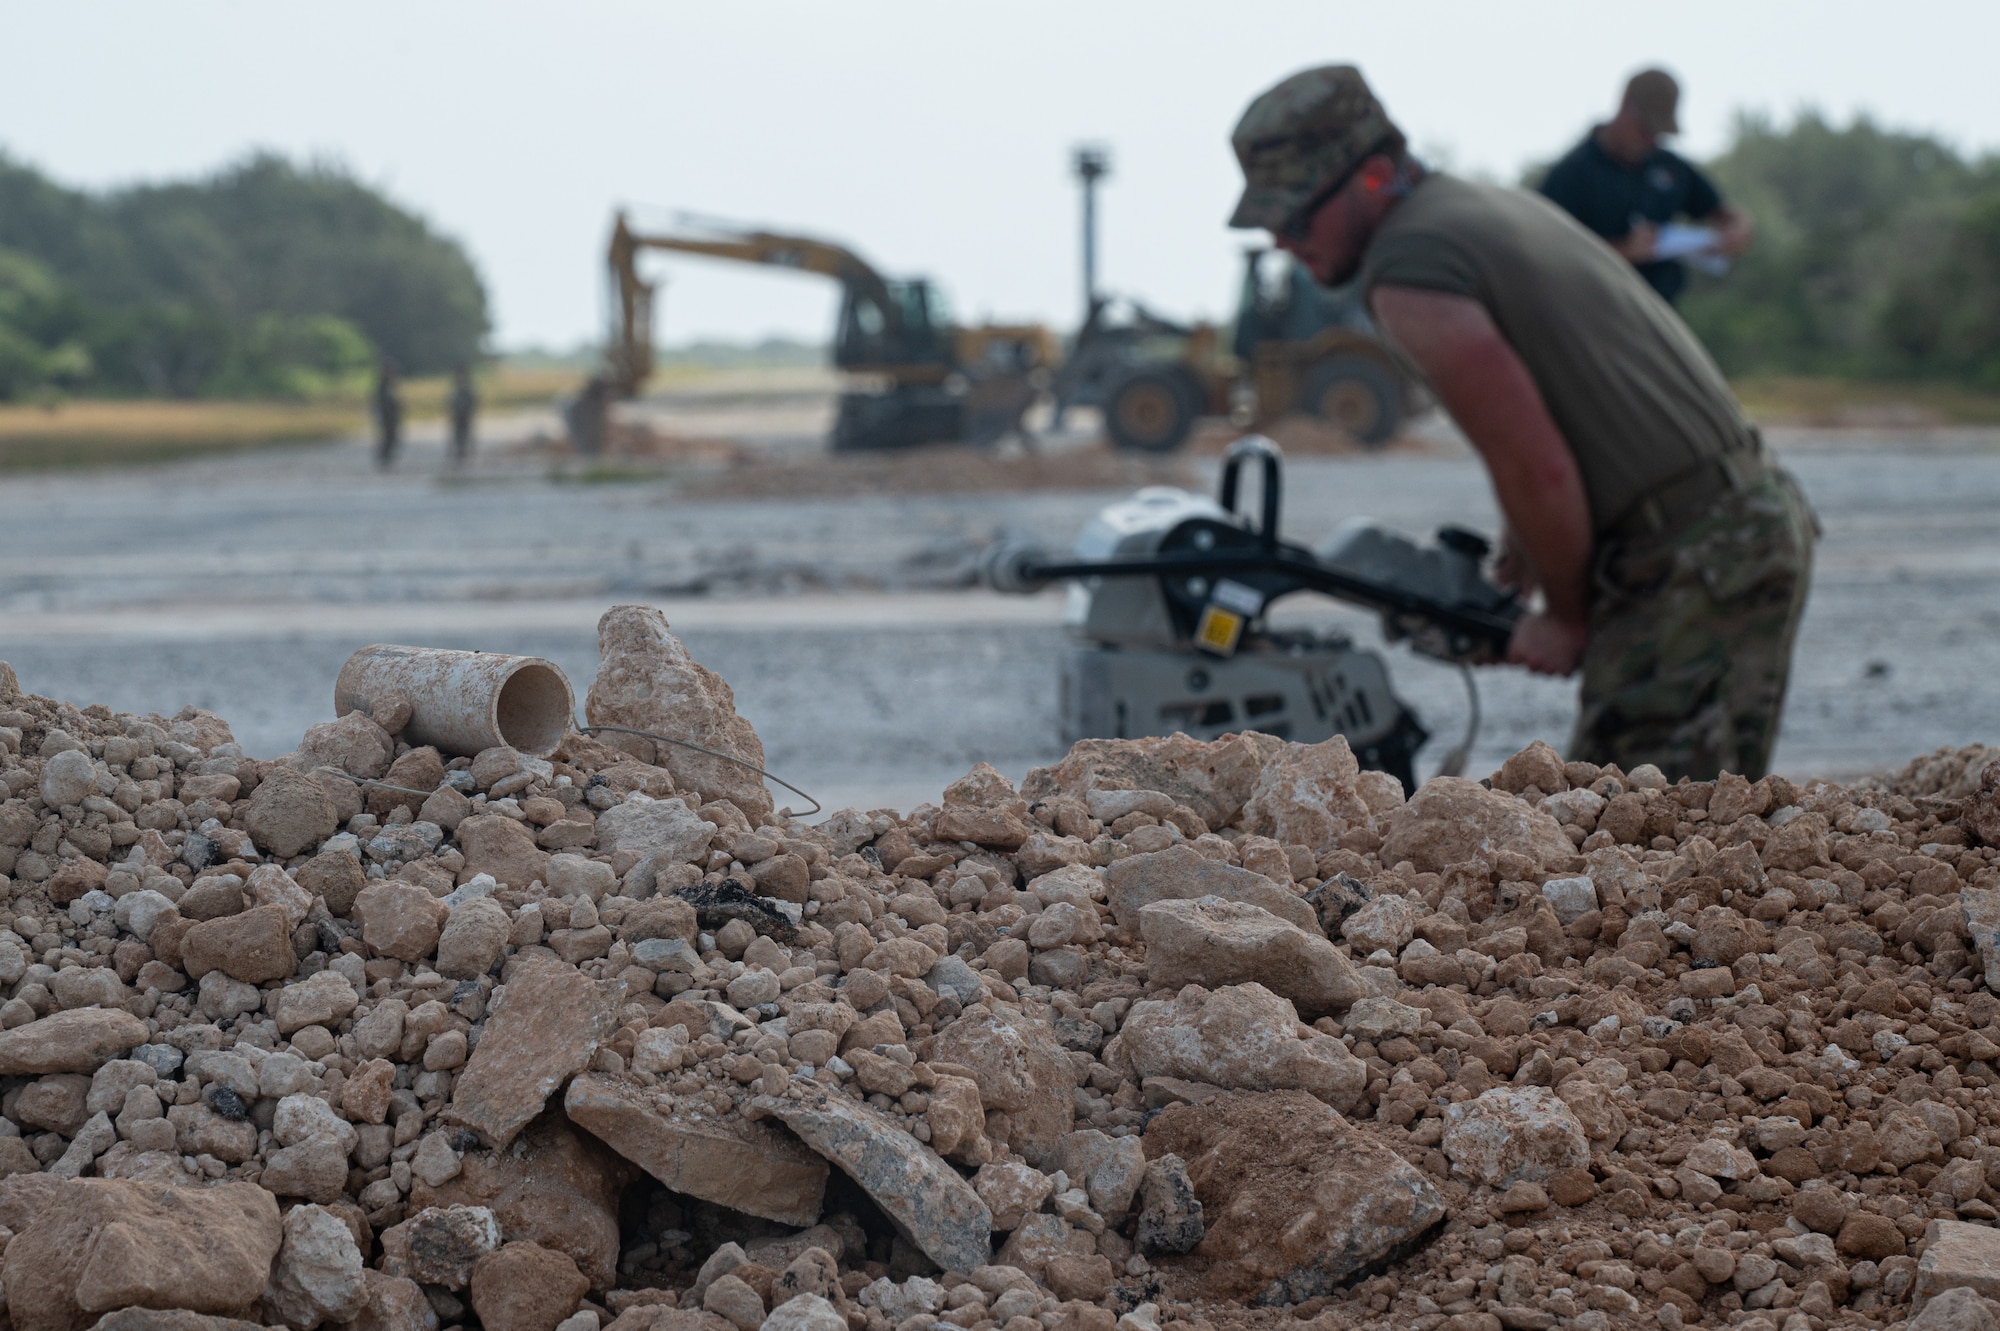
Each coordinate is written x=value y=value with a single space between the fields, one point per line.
x=914 y=376
x=1297 y=347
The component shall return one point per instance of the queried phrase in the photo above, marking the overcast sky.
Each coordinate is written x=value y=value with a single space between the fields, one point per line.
x=934 y=137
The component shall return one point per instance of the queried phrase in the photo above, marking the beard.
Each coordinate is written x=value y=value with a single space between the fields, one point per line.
x=1336 y=272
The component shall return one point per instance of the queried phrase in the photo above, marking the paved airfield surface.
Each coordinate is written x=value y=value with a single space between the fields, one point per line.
x=844 y=625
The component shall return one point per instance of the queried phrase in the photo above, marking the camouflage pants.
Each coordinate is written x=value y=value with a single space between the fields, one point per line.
x=1691 y=637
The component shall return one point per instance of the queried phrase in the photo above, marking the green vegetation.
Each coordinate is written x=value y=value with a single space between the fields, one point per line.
x=1877 y=257
x=266 y=279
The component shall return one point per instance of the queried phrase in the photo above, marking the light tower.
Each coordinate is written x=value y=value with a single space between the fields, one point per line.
x=1091 y=162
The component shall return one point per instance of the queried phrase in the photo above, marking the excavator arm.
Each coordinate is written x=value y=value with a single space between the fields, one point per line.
x=934 y=380
x=631 y=354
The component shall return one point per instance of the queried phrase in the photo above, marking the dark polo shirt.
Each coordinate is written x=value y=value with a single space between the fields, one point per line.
x=1605 y=194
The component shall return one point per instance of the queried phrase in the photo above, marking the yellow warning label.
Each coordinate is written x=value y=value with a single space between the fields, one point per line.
x=1219 y=630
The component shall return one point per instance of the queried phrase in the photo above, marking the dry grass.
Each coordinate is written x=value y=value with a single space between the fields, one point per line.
x=98 y=434
x=1861 y=403
x=94 y=433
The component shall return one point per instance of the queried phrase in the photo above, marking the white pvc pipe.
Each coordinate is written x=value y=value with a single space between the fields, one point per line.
x=462 y=702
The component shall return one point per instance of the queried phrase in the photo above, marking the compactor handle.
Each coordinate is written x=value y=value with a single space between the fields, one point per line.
x=1464 y=541
x=1257 y=446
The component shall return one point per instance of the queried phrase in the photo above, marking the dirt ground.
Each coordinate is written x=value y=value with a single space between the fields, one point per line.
x=835 y=593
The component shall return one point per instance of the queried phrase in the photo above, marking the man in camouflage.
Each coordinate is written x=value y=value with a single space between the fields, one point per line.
x=1671 y=554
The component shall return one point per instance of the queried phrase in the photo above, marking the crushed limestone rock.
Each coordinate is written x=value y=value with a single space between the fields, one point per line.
x=1177 y=1036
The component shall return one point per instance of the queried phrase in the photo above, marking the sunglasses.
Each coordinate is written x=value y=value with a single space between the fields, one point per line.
x=1298 y=226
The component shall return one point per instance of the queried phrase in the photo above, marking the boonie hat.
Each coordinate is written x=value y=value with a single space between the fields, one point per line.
x=1300 y=137
x=1655 y=98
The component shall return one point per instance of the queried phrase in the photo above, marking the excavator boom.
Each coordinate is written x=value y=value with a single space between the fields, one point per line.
x=766 y=247
x=937 y=381
x=875 y=314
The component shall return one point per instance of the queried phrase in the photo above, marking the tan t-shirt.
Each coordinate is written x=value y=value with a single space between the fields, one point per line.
x=1634 y=394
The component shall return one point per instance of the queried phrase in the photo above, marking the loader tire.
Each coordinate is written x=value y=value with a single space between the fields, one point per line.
x=1357 y=396
x=1149 y=410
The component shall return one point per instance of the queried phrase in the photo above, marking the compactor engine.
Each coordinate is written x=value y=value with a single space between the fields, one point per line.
x=1169 y=599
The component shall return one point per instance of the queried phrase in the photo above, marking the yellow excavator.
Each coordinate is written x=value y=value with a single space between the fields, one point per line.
x=917 y=378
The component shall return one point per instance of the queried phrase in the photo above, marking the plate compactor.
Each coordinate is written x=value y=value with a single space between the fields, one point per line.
x=1168 y=597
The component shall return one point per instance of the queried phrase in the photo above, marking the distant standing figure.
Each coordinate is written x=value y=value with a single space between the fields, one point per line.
x=388 y=406
x=586 y=414
x=464 y=402
x=1621 y=183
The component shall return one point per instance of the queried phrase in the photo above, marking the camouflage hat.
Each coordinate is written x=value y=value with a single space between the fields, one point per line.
x=1300 y=137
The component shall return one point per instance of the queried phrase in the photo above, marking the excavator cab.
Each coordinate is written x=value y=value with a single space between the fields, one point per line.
x=915 y=332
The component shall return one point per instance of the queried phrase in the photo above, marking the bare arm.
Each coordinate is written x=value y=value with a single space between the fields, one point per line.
x=1638 y=244
x=1733 y=229
x=1488 y=391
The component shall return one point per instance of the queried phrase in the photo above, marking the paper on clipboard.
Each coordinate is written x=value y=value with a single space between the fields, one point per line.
x=1678 y=240
x=1696 y=244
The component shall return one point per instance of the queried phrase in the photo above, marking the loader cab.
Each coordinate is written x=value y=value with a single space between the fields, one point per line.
x=915 y=330
x=1280 y=302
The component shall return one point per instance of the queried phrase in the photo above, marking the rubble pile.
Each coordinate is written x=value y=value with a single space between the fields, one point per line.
x=1175 y=1036
x=1946 y=771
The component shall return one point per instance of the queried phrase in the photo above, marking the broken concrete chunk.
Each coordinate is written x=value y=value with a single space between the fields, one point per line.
x=647 y=680
x=1348 y=1202
x=440 y=1245
x=750 y=1167
x=1213 y=943
x=1450 y=821
x=318 y=1275
x=1980 y=908
x=1041 y=1239
x=324 y=999
x=1381 y=1018
x=805 y=1312
x=1170 y=1220
x=1243 y=1037
x=1012 y=1191
x=665 y=829
x=935 y=1208
x=1512 y=1133
x=1021 y=1069
x=1108 y=806
x=1309 y=795
x=543 y=1030
x=1211 y=777
x=474 y=936
x=1384 y=923
x=1181 y=873
x=1109 y=1168
x=1960 y=1256
x=982 y=807
x=399 y=919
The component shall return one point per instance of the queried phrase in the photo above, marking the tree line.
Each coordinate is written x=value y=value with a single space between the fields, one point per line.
x=264 y=279
x=1877 y=256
